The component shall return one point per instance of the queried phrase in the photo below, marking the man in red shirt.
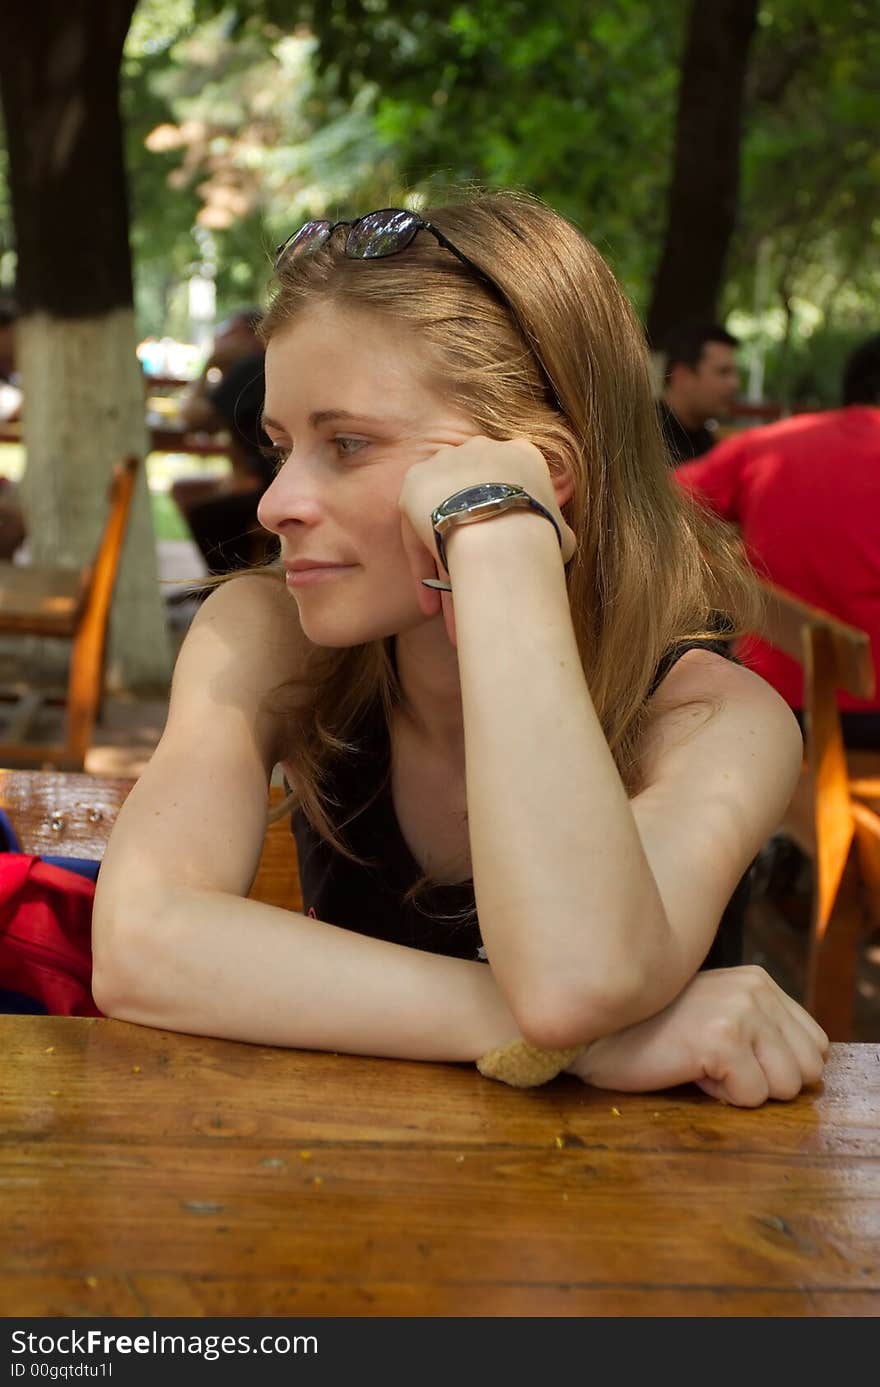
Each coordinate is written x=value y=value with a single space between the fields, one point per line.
x=805 y=494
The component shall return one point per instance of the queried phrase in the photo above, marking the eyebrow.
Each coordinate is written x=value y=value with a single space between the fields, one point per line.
x=327 y=416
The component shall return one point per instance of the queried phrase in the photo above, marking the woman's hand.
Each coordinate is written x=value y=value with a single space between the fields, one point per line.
x=451 y=469
x=732 y=1031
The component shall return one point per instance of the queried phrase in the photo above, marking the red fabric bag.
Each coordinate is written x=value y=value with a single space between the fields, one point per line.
x=45 y=937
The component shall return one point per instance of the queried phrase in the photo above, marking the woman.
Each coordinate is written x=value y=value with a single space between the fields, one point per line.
x=546 y=730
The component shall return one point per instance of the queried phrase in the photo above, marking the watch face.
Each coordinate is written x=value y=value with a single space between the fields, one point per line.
x=473 y=496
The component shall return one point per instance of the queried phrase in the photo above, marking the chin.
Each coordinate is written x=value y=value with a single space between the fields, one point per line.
x=343 y=628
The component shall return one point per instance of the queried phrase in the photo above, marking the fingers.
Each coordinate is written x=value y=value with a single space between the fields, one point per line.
x=777 y=1067
x=803 y=1019
x=569 y=541
x=735 y=1075
x=422 y=565
x=449 y=618
x=779 y=1062
x=809 y=1056
x=714 y=1088
x=804 y=1038
x=794 y=1009
x=765 y=1052
x=425 y=570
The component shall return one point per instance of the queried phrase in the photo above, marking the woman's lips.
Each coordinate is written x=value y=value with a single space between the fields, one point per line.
x=323 y=573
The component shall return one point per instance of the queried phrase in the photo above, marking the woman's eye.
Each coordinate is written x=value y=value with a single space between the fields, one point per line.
x=346 y=447
x=276 y=455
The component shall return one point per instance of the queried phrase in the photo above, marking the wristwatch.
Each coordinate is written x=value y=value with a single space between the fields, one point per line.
x=481 y=502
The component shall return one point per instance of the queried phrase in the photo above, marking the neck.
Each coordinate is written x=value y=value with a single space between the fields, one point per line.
x=427 y=667
x=683 y=410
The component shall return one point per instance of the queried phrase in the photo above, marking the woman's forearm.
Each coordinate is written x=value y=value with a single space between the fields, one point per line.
x=209 y=963
x=569 y=908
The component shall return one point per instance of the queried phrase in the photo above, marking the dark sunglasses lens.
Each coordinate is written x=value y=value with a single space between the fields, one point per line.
x=381 y=233
x=309 y=238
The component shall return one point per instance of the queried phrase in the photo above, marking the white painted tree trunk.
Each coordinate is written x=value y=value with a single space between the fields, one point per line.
x=84 y=409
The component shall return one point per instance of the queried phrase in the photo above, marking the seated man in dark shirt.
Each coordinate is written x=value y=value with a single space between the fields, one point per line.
x=701 y=383
x=222 y=513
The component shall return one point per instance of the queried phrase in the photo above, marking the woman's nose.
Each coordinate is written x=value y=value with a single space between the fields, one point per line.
x=287 y=500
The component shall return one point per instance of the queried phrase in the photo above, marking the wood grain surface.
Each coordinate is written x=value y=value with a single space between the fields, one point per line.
x=148 y=1173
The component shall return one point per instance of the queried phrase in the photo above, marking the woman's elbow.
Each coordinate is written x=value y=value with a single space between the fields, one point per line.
x=559 y=1015
x=111 y=988
x=119 y=965
x=115 y=986
x=109 y=994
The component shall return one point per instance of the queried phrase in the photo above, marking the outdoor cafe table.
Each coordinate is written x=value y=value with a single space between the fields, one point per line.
x=146 y=1173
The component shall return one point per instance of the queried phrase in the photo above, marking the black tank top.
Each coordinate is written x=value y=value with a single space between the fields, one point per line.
x=442 y=918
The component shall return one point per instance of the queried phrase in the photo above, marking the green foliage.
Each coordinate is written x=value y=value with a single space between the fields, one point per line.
x=811 y=163
x=804 y=266
x=243 y=145
x=573 y=101
x=807 y=374
x=305 y=107
x=163 y=250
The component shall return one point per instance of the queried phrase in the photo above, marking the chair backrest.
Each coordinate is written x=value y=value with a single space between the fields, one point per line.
x=833 y=656
x=824 y=816
x=71 y=604
x=63 y=814
x=89 y=644
x=787 y=624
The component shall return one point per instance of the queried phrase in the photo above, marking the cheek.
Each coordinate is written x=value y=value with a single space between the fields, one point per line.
x=380 y=539
x=377 y=516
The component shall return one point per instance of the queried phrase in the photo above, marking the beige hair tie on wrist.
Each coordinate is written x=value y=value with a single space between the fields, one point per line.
x=526 y=1066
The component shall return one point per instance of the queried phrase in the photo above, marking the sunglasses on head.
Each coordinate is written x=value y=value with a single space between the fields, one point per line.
x=380 y=234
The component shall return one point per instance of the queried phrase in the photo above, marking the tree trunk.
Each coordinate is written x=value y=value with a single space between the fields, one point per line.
x=704 y=195
x=84 y=398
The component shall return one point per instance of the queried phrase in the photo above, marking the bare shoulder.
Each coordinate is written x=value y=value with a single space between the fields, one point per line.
x=244 y=643
x=253 y=610
x=249 y=630
x=712 y=713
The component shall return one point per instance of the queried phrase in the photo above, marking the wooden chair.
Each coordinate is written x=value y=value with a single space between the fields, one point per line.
x=71 y=604
x=833 y=816
x=66 y=815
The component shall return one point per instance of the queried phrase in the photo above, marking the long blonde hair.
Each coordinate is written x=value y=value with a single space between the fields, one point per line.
x=568 y=368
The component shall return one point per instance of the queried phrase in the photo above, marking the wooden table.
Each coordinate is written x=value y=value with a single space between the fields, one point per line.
x=147 y=1173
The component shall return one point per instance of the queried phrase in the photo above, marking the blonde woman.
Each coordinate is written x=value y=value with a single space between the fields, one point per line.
x=528 y=781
